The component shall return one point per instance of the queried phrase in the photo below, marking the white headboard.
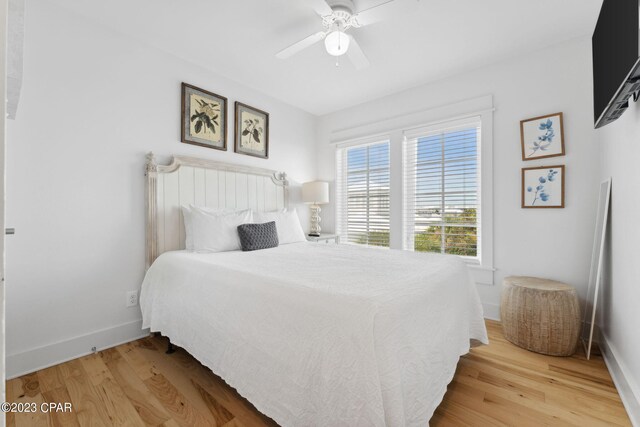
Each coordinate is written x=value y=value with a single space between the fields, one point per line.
x=204 y=183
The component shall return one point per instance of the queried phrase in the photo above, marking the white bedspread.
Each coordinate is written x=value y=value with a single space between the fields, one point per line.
x=321 y=335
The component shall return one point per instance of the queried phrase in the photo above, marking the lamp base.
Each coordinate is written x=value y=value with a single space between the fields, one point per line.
x=314 y=230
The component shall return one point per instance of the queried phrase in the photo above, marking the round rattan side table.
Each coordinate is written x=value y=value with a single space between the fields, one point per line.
x=540 y=315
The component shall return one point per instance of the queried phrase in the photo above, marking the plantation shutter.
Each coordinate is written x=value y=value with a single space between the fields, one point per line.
x=363 y=194
x=441 y=188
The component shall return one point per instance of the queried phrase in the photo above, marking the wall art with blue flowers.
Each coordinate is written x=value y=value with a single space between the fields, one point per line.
x=543 y=187
x=542 y=137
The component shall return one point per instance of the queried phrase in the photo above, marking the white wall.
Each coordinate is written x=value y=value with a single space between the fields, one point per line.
x=552 y=243
x=93 y=103
x=620 y=309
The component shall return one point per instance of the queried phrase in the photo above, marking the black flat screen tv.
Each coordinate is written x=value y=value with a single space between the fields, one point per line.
x=616 y=64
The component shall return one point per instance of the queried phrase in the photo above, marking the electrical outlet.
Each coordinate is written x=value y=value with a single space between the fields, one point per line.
x=132 y=299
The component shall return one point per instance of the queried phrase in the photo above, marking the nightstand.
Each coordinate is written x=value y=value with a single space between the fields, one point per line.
x=326 y=238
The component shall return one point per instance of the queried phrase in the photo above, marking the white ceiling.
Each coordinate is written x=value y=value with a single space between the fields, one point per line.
x=418 y=41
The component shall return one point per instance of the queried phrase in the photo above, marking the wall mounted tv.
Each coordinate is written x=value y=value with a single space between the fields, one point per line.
x=616 y=59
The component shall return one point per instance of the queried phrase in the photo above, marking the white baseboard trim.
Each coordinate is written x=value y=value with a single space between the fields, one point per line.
x=25 y=362
x=491 y=311
x=627 y=388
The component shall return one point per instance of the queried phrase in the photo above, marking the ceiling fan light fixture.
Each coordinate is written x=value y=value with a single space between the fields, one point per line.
x=336 y=43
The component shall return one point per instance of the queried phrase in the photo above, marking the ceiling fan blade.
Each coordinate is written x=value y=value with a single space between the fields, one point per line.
x=356 y=55
x=321 y=7
x=372 y=15
x=301 y=45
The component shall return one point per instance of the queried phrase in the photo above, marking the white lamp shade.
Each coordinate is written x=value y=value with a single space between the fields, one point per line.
x=336 y=43
x=315 y=192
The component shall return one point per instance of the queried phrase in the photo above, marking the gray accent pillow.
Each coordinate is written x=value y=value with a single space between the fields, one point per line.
x=258 y=236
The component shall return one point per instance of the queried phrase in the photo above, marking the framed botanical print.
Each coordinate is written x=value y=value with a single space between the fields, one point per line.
x=542 y=137
x=203 y=117
x=543 y=187
x=252 y=131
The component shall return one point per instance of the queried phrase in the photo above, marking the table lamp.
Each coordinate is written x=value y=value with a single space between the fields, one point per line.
x=316 y=193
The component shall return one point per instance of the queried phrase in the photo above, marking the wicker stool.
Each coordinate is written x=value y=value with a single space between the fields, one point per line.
x=540 y=315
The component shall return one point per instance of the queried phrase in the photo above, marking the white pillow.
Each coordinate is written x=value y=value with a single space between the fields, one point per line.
x=217 y=233
x=287 y=223
x=186 y=215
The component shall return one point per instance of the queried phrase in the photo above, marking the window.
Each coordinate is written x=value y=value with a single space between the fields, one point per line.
x=441 y=189
x=439 y=172
x=363 y=194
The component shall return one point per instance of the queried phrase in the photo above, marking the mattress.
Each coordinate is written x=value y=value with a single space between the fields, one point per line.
x=321 y=335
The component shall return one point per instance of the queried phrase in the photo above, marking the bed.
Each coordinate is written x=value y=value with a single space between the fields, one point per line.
x=312 y=335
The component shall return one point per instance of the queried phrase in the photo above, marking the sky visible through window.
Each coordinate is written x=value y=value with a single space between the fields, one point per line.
x=447 y=163
x=460 y=156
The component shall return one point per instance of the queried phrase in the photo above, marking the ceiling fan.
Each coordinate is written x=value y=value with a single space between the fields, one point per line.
x=338 y=16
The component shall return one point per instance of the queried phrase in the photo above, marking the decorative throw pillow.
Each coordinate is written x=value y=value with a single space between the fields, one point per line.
x=258 y=236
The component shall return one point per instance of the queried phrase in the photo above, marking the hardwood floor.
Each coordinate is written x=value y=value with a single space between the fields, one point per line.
x=137 y=384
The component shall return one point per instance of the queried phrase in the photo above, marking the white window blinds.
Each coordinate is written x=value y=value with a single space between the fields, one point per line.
x=363 y=194
x=441 y=189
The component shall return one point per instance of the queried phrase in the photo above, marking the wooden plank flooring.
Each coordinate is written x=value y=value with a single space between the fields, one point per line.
x=137 y=384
